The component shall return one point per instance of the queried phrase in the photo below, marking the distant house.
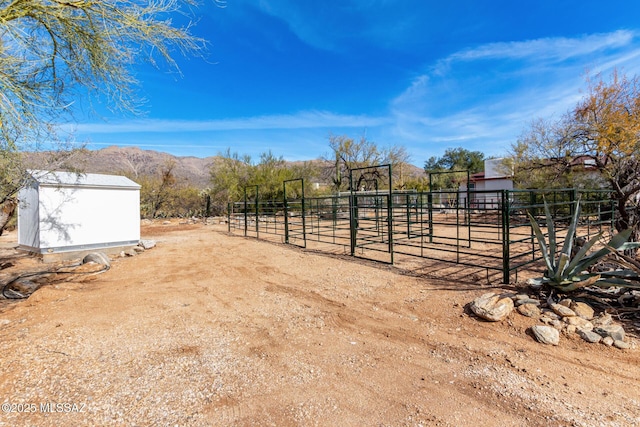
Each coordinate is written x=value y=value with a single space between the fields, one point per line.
x=66 y=212
x=484 y=187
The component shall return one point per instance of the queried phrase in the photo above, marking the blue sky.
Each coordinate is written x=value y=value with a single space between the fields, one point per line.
x=283 y=75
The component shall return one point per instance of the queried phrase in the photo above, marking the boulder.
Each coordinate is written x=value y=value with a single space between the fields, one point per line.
x=147 y=244
x=546 y=334
x=589 y=336
x=492 y=307
x=578 y=322
x=562 y=310
x=614 y=331
x=98 y=258
x=582 y=309
x=603 y=319
x=621 y=344
x=529 y=310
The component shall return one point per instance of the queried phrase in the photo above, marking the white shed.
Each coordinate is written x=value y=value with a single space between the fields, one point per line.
x=62 y=212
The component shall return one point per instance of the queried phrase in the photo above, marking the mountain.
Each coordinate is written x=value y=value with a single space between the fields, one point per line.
x=135 y=162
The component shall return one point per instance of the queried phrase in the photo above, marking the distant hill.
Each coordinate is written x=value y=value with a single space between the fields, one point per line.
x=134 y=162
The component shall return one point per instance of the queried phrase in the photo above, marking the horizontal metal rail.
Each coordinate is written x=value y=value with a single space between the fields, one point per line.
x=489 y=230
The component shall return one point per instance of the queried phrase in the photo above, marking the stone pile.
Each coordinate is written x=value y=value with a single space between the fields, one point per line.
x=142 y=246
x=567 y=316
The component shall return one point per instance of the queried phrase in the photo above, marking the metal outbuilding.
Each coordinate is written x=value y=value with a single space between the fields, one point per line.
x=67 y=212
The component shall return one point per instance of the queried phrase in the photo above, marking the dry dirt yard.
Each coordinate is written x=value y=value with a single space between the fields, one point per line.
x=208 y=329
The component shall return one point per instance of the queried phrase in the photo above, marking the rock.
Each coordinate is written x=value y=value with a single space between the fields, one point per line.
x=566 y=302
x=529 y=310
x=530 y=301
x=138 y=249
x=604 y=319
x=98 y=258
x=147 y=244
x=130 y=252
x=578 y=322
x=614 y=331
x=589 y=336
x=522 y=296
x=582 y=309
x=607 y=341
x=550 y=314
x=546 y=334
x=557 y=324
x=562 y=310
x=492 y=307
x=570 y=329
x=621 y=344
x=4 y=322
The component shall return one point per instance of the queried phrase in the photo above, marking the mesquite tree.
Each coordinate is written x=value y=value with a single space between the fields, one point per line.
x=603 y=132
x=55 y=52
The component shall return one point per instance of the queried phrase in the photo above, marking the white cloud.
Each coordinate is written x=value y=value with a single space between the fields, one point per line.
x=302 y=120
x=487 y=95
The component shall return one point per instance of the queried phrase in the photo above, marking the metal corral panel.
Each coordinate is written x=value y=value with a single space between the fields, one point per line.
x=64 y=211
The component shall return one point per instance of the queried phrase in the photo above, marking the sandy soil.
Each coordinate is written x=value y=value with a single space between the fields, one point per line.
x=208 y=329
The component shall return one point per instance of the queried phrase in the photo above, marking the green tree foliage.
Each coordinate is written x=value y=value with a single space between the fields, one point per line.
x=597 y=142
x=162 y=195
x=348 y=154
x=232 y=173
x=453 y=159
x=53 y=52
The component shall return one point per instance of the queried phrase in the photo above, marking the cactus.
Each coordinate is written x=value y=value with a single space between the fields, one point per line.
x=568 y=272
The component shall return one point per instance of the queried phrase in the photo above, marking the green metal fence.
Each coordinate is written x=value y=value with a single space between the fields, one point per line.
x=485 y=229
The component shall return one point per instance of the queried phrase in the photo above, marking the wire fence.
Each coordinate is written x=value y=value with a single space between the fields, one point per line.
x=484 y=229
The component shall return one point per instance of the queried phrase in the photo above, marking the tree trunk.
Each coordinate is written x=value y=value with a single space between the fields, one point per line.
x=7 y=208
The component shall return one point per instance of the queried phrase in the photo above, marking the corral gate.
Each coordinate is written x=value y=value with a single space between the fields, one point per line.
x=490 y=230
x=370 y=211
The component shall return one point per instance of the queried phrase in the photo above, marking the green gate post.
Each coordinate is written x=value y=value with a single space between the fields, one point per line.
x=390 y=214
x=286 y=213
x=505 y=237
x=257 y=214
x=245 y=212
x=353 y=221
x=430 y=215
x=408 y=216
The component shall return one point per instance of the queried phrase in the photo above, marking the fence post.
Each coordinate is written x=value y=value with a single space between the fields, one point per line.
x=257 y=214
x=505 y=237
x=430 y=214
x=245 y=212
x=286 y=212
x=304 y=222
x=229 y=208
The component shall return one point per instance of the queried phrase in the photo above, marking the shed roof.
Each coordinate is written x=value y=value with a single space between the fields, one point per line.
x=77 y=179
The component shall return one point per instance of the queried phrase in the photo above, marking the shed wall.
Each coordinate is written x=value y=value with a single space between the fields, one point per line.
x=73 y=218
x=28 y=220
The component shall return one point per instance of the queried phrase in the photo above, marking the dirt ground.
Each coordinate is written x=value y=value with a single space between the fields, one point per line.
x=208 y=329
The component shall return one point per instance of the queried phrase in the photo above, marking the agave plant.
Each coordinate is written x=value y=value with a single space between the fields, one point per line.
x=568 y=272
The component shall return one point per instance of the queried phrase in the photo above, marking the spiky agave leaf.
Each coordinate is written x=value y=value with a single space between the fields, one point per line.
x=576 y=267
x=542 y=243
x=587 y=280
x=616 y=243
x=551 y=231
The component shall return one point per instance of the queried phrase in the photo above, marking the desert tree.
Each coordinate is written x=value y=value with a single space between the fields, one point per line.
x=56 y=52
x=348 y=154
x=232 y=173
x=454 y=159
x=601 y=130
